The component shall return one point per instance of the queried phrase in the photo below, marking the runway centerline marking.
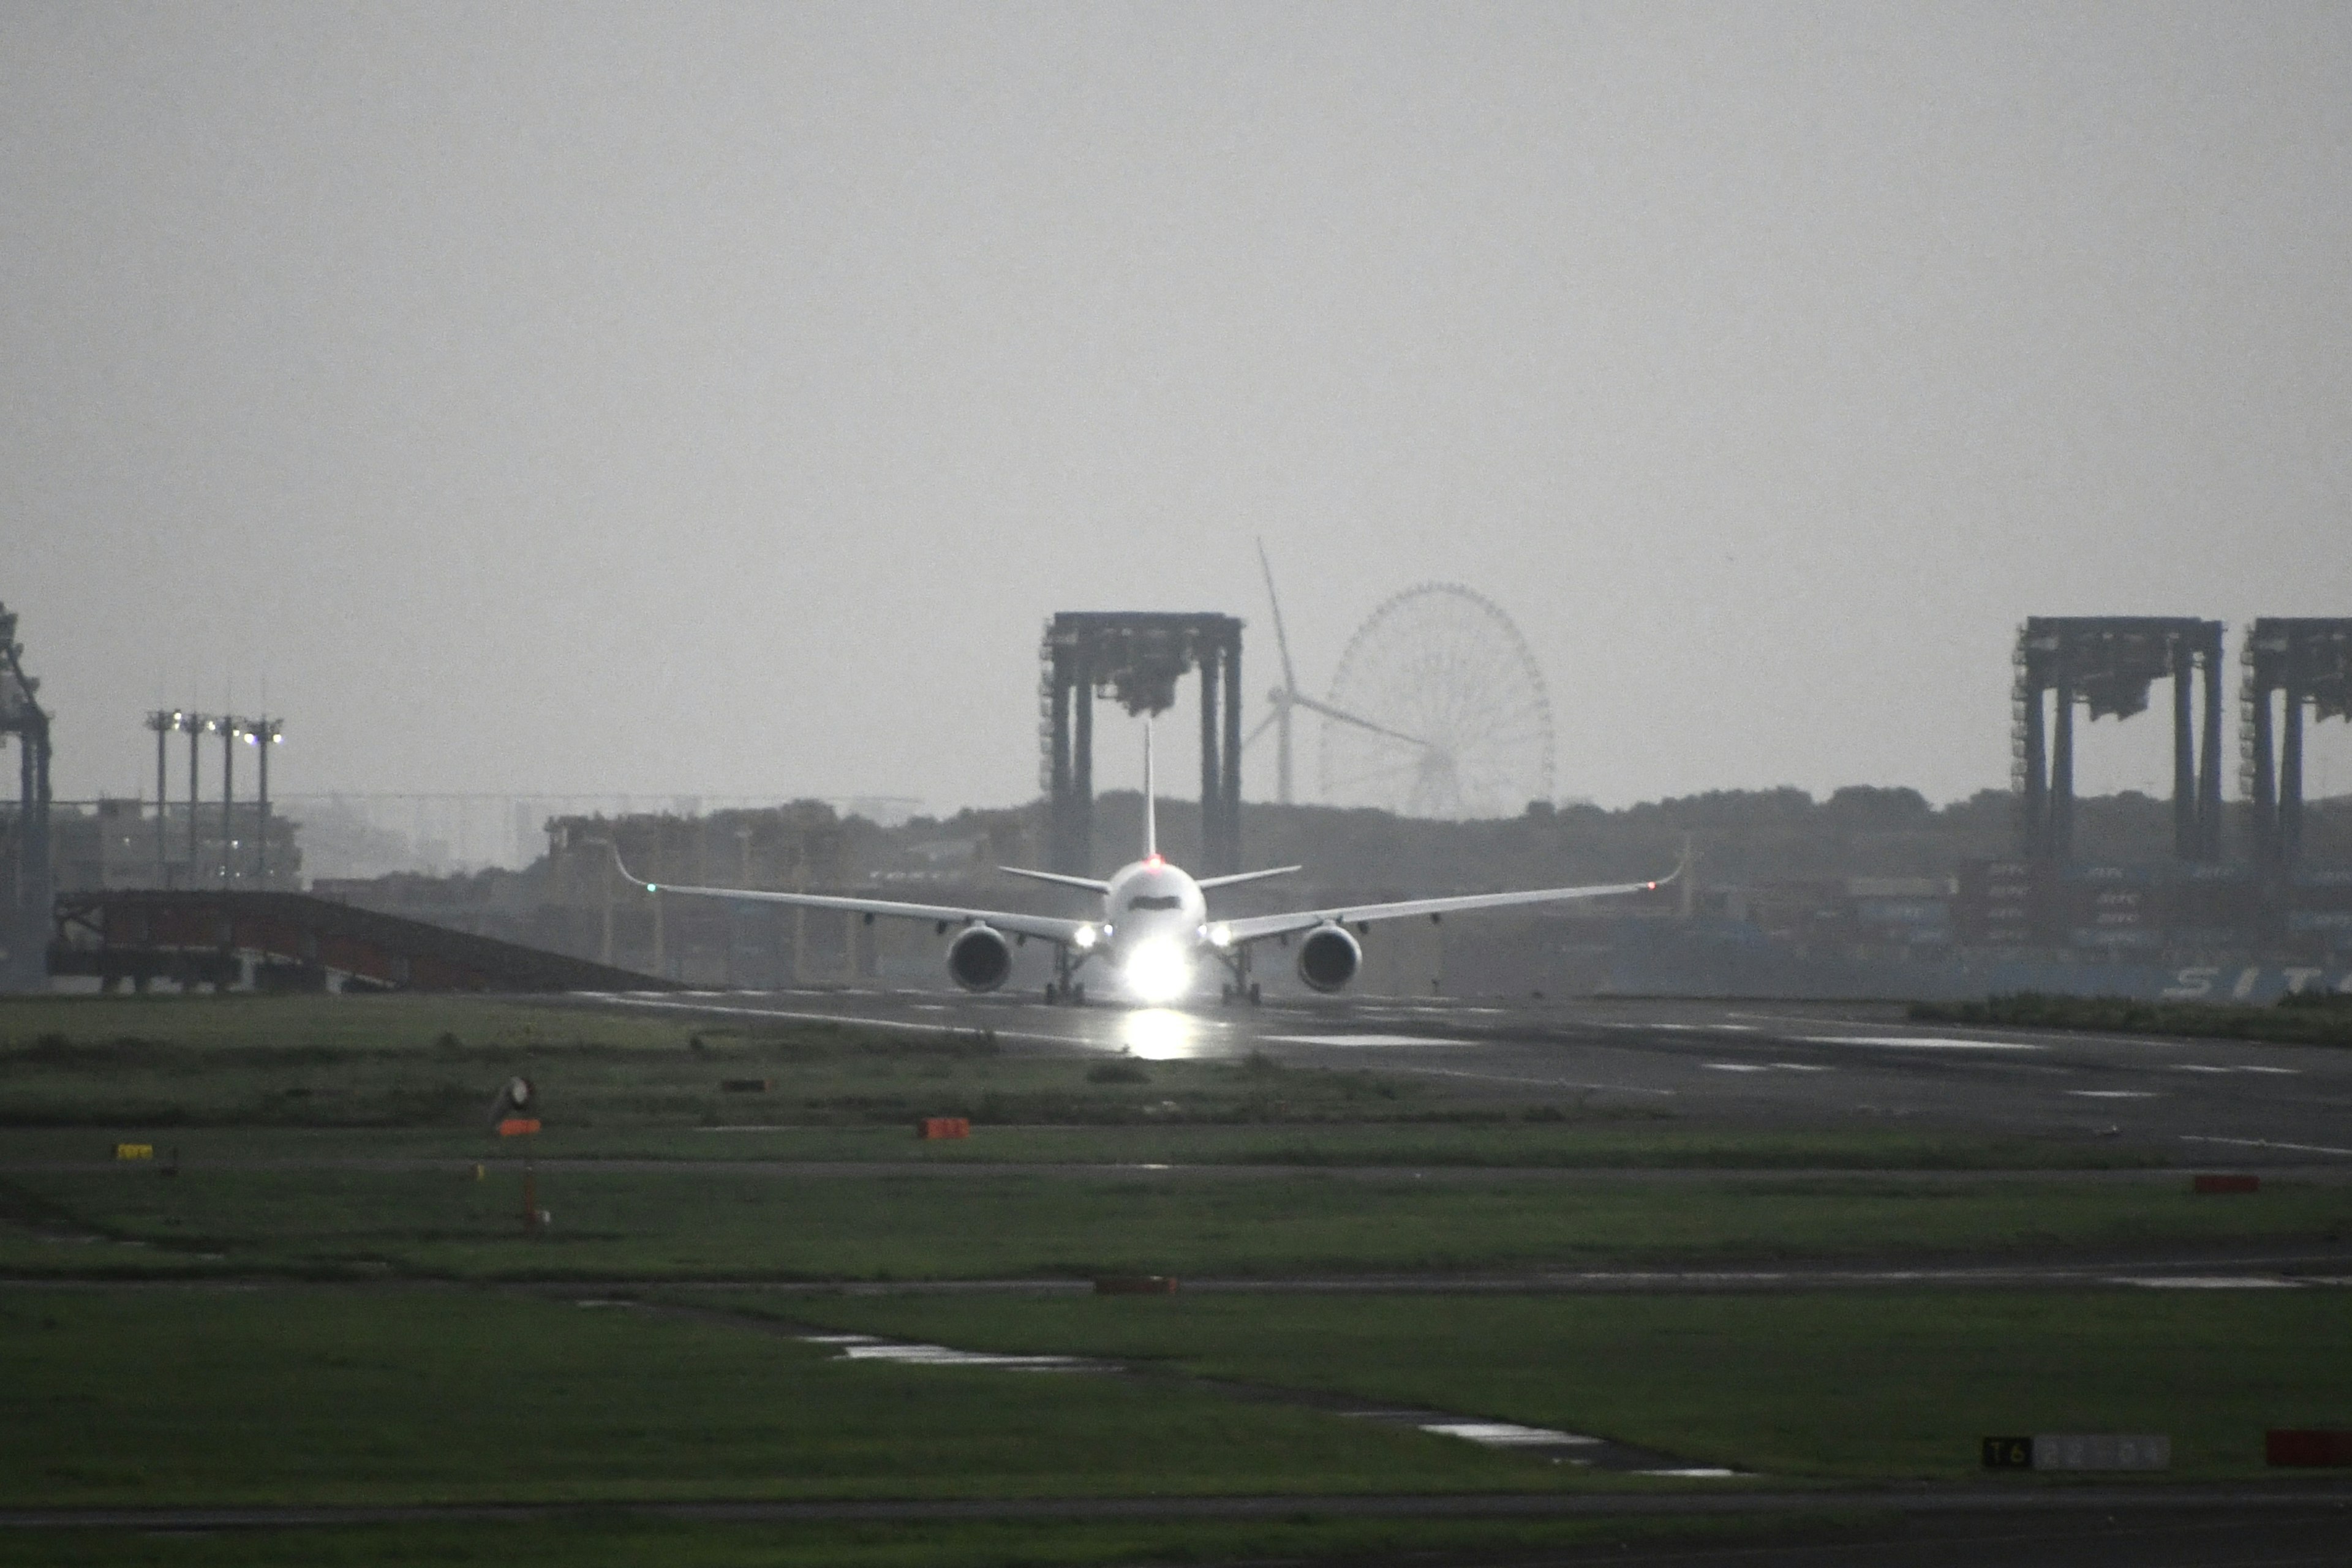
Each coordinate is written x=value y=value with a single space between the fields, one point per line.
x=2263 y=1143
x=1922 y=1042
x=1363 y=1040
x=1547 y=1082
x=2207 y=1282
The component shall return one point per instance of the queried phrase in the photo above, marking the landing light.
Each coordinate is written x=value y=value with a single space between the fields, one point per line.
x=1157 y=971
x=1221 y=935
x=1084 y=937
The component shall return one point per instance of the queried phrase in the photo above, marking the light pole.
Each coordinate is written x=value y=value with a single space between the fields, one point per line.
x=262 y=735
x=228 y=798
x=196 y=726
x=163 y=723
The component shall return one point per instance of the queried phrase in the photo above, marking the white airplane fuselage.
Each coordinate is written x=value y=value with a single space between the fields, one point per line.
x=1155 y=924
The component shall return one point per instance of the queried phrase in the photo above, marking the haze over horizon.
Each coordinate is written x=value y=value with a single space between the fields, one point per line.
x=715 y=399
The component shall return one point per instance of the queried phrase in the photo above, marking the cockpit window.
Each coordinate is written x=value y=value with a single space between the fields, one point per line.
x=1145 y=902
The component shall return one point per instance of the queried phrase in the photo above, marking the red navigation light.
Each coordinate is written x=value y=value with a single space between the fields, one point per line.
x=1153 y=860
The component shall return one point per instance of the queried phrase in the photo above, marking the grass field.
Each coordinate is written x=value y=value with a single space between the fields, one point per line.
x=422 y=1396
x=415 y=1062
x=723 y=1222
x=1877 y=1385
x=622 y=1541
x=410 y=1373
x=1596 y=1144
x=252 y=1077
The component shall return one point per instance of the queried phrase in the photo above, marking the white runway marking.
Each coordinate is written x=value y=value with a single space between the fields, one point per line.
x=1923 y=1042
x=1364 y=1040
x=2265 y=1143
x=1737 y=1067
x=2208 y=1282
x=1546 y=1082
x=2113 y=1093
x=2203 y=1066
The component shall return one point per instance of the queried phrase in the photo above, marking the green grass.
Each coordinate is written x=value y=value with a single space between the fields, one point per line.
x=2301 y=1020
x=186 y=1397
x=294 y=1076
x=1868 y=1385
x=620 y=1541
x=1582 y=1144
x=728 y=1223
x=168 y=1063
x=1496 y=1144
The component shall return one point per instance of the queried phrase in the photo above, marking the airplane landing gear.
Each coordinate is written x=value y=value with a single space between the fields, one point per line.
x=1240 y=985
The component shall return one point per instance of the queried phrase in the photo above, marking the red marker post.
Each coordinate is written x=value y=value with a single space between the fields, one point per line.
x=506 y=1113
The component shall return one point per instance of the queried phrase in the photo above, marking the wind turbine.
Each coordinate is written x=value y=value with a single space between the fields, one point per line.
x=1287 y=697
x=1283 y=697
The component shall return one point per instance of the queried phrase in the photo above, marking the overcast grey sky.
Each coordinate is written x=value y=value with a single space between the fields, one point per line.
x=710 y=398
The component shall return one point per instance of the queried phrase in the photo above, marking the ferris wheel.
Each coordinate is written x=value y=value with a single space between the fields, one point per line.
x=1438 y=710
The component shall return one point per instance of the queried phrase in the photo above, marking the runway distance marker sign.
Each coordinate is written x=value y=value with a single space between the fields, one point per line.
x=2079 y=1451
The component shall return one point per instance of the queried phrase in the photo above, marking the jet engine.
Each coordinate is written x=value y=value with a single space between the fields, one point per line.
x=979 y=958
x=1328 y=958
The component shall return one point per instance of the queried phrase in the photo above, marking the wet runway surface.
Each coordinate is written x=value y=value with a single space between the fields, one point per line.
x=2222 y=1102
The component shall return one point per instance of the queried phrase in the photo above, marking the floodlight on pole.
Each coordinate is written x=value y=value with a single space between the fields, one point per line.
x=165 y=723
x=227 y=727
x=263 y=734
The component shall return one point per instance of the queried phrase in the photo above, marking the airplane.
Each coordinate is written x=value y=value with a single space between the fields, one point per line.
x=1155 y=929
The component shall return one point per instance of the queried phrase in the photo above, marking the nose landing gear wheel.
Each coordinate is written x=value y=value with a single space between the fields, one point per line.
x=1254 y=998
x=1052 y=994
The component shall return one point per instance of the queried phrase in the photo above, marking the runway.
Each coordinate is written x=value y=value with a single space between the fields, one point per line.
x=2216 y=1102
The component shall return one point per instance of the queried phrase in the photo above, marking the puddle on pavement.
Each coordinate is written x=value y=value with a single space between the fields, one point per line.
x=865 y=1347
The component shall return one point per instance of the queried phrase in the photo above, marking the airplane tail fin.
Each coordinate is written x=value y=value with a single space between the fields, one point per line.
x=1150 y=813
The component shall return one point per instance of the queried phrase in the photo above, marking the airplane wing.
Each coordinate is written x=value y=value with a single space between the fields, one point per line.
x=1257 y=928
x=1057 y=879
x=1045 y=927
x=1234 y=878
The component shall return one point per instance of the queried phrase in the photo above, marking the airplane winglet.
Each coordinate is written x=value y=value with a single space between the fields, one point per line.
x=621 y=866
